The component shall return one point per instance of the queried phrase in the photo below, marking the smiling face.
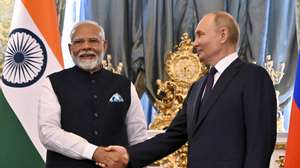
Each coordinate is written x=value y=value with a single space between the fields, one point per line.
x=87 y=47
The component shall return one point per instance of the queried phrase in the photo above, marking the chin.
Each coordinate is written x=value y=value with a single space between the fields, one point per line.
x=87 y=60
x=201 y=58
x=87 y=67
x=87 y=64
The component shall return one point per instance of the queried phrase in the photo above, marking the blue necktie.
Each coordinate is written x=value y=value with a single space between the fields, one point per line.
x=209 y=82
x=208 y=87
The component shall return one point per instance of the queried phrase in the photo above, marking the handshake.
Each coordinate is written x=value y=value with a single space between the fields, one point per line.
x=111 y=157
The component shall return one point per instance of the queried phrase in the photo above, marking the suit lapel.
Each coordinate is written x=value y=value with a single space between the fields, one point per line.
x=194 y=100
x=218 y=89
x=197 y=94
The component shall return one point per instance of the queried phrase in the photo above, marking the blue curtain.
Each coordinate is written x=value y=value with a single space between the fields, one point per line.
x=142 y=32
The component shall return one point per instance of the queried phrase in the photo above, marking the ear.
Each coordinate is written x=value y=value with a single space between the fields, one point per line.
x=70 y=50
x=105 y=45
x=224 y=34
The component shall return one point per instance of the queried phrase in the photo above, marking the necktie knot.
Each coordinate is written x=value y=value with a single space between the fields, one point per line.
x=210 y=80
x=212 y=71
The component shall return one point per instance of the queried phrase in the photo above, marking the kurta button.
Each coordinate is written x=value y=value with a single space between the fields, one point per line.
x=96 y=115
x=92 y=81
x=95 y=132
x=95 y=96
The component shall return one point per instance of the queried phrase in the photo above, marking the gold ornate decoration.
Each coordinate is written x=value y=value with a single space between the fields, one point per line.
x=183 y=68
x=276 y=76
x=280 y=161
x=108 y=65
x=280 y=146
x=6 y=10
x=281 y=158
x=1 y=68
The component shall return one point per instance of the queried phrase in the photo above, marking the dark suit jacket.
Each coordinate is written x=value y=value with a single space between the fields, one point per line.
x=236 y=127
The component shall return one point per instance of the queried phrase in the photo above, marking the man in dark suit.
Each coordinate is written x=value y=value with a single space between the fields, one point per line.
x=228 y=117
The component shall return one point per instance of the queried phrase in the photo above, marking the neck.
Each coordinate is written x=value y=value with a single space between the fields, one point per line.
x=224 y=52
x=95 y=69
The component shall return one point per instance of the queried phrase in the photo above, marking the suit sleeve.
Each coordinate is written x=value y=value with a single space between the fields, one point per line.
x=161 y=145
x=260 y=109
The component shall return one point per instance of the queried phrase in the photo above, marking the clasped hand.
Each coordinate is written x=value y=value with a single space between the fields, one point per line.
x=111 y=157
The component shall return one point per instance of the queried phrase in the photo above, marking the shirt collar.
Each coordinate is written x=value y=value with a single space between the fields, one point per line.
x=225 y=62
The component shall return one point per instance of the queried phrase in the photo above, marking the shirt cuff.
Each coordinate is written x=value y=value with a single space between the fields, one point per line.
x=89 y=151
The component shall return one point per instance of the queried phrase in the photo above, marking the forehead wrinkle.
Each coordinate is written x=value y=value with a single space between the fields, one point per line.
x=86 y=38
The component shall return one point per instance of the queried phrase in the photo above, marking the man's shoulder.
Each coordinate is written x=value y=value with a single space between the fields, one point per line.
x=115 y=76
x=254 y=72
x=62 y=72
x=253 y=68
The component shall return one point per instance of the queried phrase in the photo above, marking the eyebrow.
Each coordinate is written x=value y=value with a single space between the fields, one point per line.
x=86 y=38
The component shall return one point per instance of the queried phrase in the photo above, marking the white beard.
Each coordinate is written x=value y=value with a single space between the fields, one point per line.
x=88 y=65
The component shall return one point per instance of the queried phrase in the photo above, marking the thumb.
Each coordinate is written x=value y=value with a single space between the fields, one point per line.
x=108 y=149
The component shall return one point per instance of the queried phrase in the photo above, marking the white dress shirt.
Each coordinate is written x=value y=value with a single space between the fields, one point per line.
x=71 y=145
x=223 y=64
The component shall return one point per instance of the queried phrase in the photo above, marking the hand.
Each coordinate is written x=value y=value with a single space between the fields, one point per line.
x=120 y=152
x=113 y=157
x=101 y=157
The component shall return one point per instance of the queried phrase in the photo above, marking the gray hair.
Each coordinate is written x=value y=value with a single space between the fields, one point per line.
x=225 y=19
x=102 y=33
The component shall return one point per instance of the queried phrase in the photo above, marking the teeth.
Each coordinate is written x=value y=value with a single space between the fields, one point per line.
x=87 y=56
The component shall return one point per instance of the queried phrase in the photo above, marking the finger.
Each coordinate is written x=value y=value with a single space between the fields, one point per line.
x=113 y=148
x=101 y=164
x=116 y=148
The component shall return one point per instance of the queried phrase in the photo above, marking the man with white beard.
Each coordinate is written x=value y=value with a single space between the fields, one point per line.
x=86 y=107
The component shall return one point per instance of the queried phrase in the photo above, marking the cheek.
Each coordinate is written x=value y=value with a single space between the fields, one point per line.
x=75 y=54
x=204 y=43
x=100 y=49
x=74 y=51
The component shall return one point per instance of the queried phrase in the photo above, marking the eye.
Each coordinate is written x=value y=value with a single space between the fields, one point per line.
x=199 y=34
x=94 y=40
x=77 y=42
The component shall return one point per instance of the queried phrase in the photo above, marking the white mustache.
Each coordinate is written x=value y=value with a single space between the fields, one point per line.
x=88 y=52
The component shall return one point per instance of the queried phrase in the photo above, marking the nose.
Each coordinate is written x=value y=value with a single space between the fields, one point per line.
x=86 y=45
x=195 y=45
x=196 y=42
